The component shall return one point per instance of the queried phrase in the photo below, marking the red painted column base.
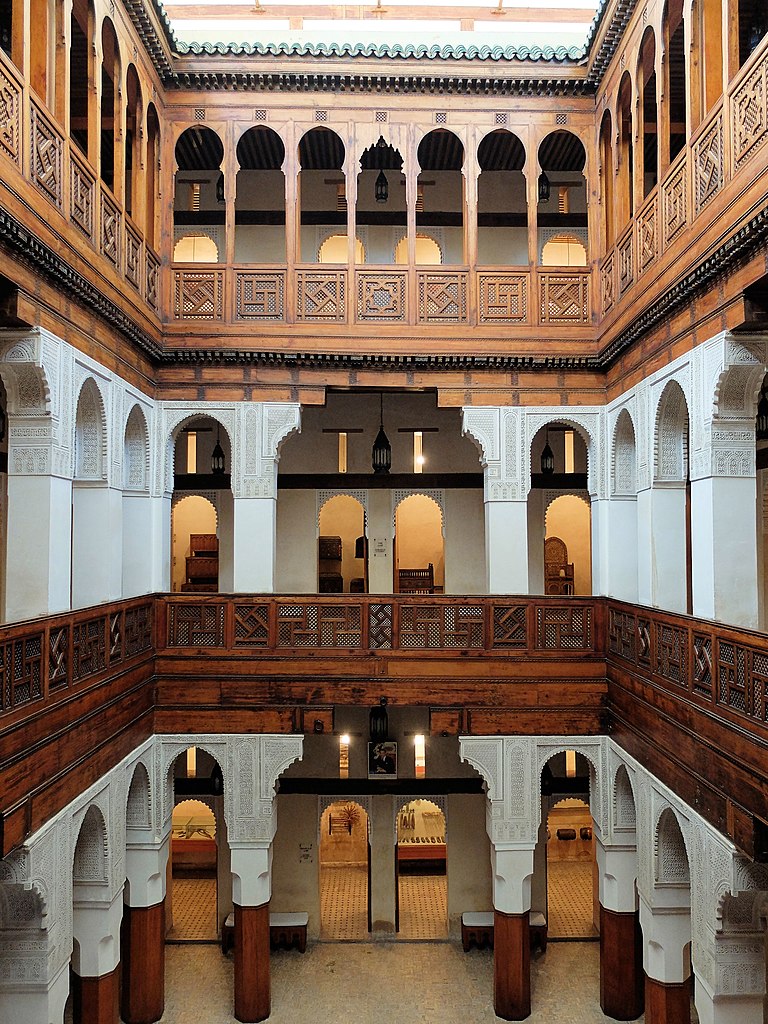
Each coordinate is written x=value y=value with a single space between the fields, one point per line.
x=252 y=982
x=95 y=1000
x=622 y=979
x=511 y=965
x=667 y=1003
x=142 y=949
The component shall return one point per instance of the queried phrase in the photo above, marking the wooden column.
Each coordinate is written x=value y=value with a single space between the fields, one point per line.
x=667 y=1003
x=511 y=966
x=95 y=1000
x=621 y=965
x=142 y=948
x=252 y=989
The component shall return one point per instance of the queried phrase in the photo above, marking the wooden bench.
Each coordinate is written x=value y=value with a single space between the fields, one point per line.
x=285 y=930
x=477 y=929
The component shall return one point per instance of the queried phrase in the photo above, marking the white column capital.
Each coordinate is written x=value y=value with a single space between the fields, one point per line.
x=666 y=942
x=251 y=865
x=617 y=871
x=96 y=930
x=145 y=869
x=512 y=870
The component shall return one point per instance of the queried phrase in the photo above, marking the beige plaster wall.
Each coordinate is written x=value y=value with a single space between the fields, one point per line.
x=568 y=518
x=295 y=863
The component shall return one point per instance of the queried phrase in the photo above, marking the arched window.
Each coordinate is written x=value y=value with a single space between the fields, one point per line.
x=381 y=207
x=80 y=71
x=649 y=138
x=152 y=176
x=440 y=191
x=626 y=152
x=195 y=249
x=502 y=204
x=198 y=207
x=562 y=190
x=110 y=110
x=606 y=180
x=133 y=117
x=322 y=189
x=675 y=77
x=334 y=250
x=564 y=251
x=428 y=253
x=260 y=198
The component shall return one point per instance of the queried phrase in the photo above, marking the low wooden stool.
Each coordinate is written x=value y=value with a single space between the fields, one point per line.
x=477 y=929
x=538 y=928
x=288 y=930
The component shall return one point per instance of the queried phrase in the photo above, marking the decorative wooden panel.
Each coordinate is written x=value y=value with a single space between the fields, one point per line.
x=708 y=169
x=10 y=117
x=749 y=113
x=622 y=633
x=564 y=297
x=503 y=298
x=318 y=625
x=625 y=253
x=647 y=235
x=58 y=657
x=381 y=296
x=251 y=625
x=82 y=189
x=21 y=664
x=564 y=628
x=152 y=269
x=111 y=228
x=380 y=629
x=674 y=200
x=671 y=645
x=115 y=637
x=607 y=288
x=441 y=626
x=442 y=297
x=702 y=666
x=260 y=295
x=732 y=677
x=321 y=295
x=198 y=294
x=137 y=629
x=46 y=157
x=89 y=652
x=196 y=625
x=510 y=629
x=133 y=256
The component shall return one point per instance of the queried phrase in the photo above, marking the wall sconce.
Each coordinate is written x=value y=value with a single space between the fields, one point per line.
x=382 y=188
x=382 y=450
x=217 y=458
x=544 y=188
x=547 y=459
x=220 y=188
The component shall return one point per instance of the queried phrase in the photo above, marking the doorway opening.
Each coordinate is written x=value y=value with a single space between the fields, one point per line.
x=572 y=907
x=345 y=858
x=421 y=880
x=419 y=546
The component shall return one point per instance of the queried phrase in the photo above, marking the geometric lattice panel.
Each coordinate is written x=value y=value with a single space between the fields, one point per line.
x=196 y=625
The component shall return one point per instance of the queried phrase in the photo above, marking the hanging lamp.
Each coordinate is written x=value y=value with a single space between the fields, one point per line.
x=217 y=458
x=547 y=458
x=382 y=450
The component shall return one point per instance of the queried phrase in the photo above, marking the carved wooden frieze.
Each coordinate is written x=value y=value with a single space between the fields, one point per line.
x=132 y=263
x=442 y=297
x=381 y=296
x=749 y=115
x=321 y=295
x=111 y=225
x=260 y=295
x=564 y=297
x=10 y=117
x=503 y=298
x=198 y=294
x=46 y=157
x=152 y=269
x=607 y=287
x=82 y=189
x=625 y=250
x=708 y=165
x=675 y=202
x=647 y=235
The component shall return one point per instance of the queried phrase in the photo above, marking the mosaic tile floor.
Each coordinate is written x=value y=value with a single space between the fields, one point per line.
x=344 y=903
x=412 y=983
x=194 y=910
x=423 y=907
x=569 y=900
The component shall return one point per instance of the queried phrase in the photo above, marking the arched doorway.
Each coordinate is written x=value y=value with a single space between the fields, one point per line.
x=342 y=548
x=421 y=880
x=419 y=546
x=199 y=887
x=194 y=518
x=440 y=193
x=571 y=890
x=568 y=546
x=344 y=867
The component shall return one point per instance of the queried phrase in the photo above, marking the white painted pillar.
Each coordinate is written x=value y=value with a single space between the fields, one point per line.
x=97 y=545
x=617 y=871
x=38 y=1002
x=380 y=536
x=615 y=548
x=159 y=541
x=145 y=870
x=225 y=515
x=512 y=871
x=506 y=546
x=668 y=561
x=536 y=530
x=723 y=539
x=96 y=930
x=644 y=548
x=666 y=939
x=138 y=551
x=255 y=540
x=731 y=1008
x=39 y=550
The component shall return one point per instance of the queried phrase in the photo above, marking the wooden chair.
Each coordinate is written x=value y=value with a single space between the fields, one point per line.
x=416 y=581
x=558 y=571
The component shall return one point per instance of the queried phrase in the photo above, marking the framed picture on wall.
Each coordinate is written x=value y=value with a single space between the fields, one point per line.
x=382 y=760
